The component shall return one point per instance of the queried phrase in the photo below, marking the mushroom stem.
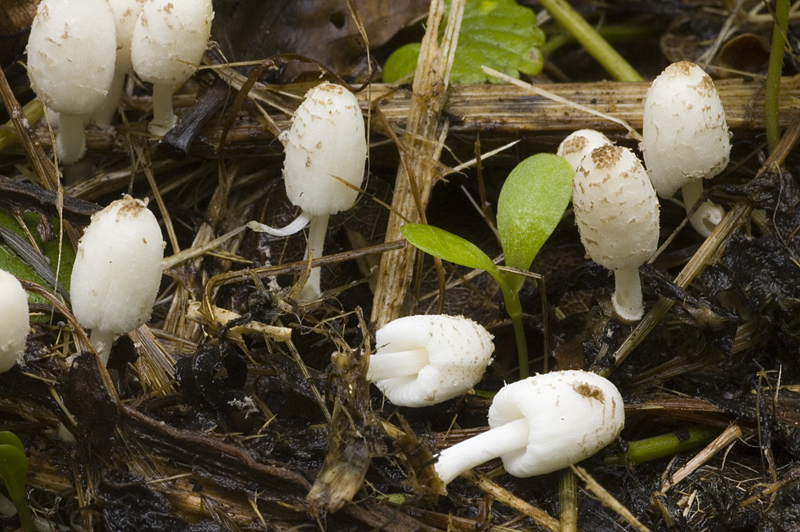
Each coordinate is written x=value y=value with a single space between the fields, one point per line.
x=708 y=215
x=627 y=298
x=163 y=115
x=317 y=227
x=397 y=364
x=105 y=113
x=71 y=142
x=480 y=449
x=102 y=340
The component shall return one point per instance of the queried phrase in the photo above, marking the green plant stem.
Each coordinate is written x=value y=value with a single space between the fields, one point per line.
x=33 y=112
x=648 y=449
x=514 y=309
x=771 y=98
x=610 y=32
x=592 y=41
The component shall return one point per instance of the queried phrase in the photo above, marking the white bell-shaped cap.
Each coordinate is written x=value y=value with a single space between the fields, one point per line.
x=170 y=38
x=579 y=144
x=424 y=360
x=118 y=267
x=571 y=415
x=616 y=208
x=326 y=141
x=684 y=135
x=125 y=13
x=14 y=321
x=71 y=54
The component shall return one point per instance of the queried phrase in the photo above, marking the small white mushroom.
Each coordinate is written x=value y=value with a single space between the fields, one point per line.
x=117 y=271
x=326 y=150
x=616 y=211
x=685 y=138
x=424 y=360
x=125 y=13
x=168 y=42
x=71 y=54
x=14 y=321
x=579 y=144
x=542 y=424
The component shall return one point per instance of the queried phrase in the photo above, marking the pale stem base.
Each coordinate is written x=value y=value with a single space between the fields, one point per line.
x=317 y=228
x=163 y=116
x=102 y=340
x=397 y=364
x=708 y=215
x=481 y=448
x=70 y=142
x=104 y=114
x=627 y=298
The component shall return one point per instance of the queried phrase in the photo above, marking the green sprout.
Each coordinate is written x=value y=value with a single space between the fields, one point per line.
x=13 y=473
x=663 y=445
x=532 y=202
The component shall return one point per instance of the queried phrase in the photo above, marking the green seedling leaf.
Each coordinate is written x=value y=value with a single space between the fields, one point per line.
x=452 y=248
x=496 y=33
x=531 y=203
x=14 y=473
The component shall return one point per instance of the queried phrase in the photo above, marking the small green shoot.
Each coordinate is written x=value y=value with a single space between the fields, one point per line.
x=664 y=445
x=532 y=201
x=13 y=473
x=497 y=33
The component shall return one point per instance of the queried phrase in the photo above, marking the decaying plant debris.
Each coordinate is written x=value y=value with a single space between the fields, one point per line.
x=235 y=408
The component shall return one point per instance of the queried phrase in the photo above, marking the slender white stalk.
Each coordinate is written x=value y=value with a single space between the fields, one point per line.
x=398 y=364
x=294 y=226
x=707 y=215
x=102 y=340
x=163 y=116
x=481 y=448
x=71 y=142
x=317 y=227
x=627 y=298
x=105 y=113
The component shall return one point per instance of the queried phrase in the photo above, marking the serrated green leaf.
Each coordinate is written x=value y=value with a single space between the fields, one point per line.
x=531 y=203
x=452 y=248
x=496 y=33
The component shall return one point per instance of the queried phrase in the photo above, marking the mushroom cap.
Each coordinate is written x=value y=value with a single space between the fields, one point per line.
x=326 y=139
x=71 y=54
x=571 y=415
x=118 y=267
x=125 y=13
x=170 y=38
x=616 y=208
x=579 y=144
x=14 y=319
x=459 y=350
x=684 y=134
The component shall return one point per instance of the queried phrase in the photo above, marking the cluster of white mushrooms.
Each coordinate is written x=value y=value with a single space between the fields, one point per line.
x=80 y=51
x=685 y=139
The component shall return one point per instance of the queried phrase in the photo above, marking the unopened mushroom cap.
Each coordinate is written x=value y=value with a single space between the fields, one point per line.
x=170 y=38
x=14 y=321
x=579 y=144
x=71 y=54
x=459 y=350
x=125 y=13
x=326 y=140
x=685 y=134
x=571 y=415
x=616 y=208
x=118 y=267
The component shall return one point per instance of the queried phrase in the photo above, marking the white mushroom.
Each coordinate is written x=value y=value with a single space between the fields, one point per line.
x=542 y=424
x=125 y=13
x=14 y=321
x=326 y=150
x=685 y=138
x=71 y=54
x=117 y=271
x=424 y=360
x=168 y=42
x=616 y=211
x=579 y=144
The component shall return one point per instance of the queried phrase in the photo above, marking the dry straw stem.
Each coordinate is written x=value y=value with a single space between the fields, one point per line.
x=708 y=250
x=729 y=435
x=607 y=499
x=417 y=171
